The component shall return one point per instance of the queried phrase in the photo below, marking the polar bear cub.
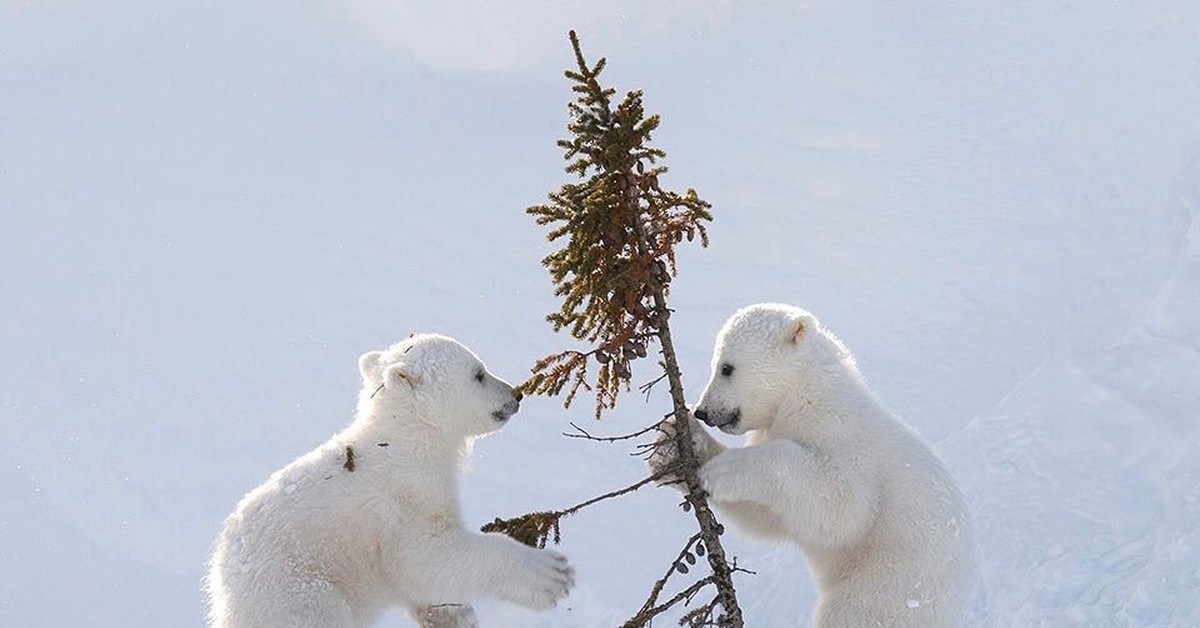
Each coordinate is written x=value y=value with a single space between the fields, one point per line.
x=370 y=520
x=826 y=466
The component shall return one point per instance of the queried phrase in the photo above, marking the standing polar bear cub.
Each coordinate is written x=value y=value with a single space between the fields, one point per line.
x=370 y=520
x=828 y=467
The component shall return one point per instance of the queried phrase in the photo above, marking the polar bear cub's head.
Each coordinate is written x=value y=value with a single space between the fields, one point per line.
x=765 y=355
x=441 y=381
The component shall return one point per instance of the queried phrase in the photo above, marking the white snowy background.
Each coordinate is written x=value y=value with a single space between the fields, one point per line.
x=209 y=210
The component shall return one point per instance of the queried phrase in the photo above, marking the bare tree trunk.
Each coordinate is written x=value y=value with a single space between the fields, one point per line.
x=710 y=529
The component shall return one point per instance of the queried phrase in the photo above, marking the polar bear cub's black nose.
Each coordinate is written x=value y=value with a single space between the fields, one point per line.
x=701 y=414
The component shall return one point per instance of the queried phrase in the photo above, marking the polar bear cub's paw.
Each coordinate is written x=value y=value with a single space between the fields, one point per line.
x=664 y=454
x=545 y=578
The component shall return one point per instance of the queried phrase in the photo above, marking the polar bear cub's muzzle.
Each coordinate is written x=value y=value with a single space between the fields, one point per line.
x=507 y=410
x=725 y=420
x=718 y=405
x=501 y=399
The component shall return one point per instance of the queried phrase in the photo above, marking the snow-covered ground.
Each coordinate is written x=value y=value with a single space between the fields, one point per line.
x=207 y=212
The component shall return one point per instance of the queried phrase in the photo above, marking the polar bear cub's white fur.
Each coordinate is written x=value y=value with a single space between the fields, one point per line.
x=370 y=520
x=828 y=467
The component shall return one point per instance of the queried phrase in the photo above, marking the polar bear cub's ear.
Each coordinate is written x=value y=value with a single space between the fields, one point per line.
x=800 y=325
x=796 y=329
x=402 y=372
x=369 y=366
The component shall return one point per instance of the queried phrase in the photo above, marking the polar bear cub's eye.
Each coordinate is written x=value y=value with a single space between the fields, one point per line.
x=726 y=369
x=479 y=375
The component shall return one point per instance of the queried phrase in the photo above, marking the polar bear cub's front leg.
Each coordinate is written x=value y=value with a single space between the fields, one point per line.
x=461 y=565
x=782 y=488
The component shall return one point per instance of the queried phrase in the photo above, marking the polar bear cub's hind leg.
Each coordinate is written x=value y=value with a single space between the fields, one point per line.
x=445 y=616
x=308 y=604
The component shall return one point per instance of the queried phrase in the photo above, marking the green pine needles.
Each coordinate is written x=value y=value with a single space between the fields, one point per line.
x=621 y=229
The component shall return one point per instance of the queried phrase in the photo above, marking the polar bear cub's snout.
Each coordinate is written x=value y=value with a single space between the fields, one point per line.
x=505 y=399
x=719 y=404
x=724 y=419
x=511 y=407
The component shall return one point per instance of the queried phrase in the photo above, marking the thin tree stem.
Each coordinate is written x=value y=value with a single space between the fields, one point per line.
x=710 y=531
x=617 y=493
x=722 y=573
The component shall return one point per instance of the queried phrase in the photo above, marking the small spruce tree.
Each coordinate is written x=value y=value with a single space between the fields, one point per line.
x=614 y=273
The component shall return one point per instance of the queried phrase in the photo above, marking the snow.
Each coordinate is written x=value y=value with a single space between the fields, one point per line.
x=208 y=212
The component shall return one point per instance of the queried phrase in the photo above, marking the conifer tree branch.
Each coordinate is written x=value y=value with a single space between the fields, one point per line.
x=646 y=614
x=582 y=433
x=651 y=607
x=535 y=529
